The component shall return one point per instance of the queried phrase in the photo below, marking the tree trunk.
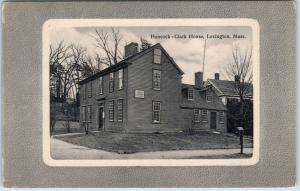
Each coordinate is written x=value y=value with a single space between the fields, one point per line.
x=242 y=113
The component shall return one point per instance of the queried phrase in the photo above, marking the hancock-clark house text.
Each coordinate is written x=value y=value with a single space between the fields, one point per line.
x=144 y=93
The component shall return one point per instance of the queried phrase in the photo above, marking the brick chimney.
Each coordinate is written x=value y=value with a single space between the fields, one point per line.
x=199 y=79
x=236 y=78
x=131 y=49
x=217 y=76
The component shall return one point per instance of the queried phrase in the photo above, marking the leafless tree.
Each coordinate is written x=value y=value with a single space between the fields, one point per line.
x=52 y=115
x=58 y=55
x=144 y=44
x=240 y=71
x=109 y=43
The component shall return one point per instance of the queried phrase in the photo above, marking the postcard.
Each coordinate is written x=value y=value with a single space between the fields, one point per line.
x=151 y=92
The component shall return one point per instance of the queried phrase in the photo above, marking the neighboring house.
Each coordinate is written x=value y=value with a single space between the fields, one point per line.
x=202 y=107
x=228 y=93
x=226 y=89
x=144 y=93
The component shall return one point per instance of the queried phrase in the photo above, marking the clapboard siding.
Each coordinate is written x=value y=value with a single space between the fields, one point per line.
x=140 y=110
x=98 y=99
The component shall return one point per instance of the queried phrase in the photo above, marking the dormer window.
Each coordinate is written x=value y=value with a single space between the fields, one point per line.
x=190 y=94
x=157 y=56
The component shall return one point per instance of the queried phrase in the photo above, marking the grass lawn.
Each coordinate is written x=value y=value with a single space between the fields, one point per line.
x=132 y=143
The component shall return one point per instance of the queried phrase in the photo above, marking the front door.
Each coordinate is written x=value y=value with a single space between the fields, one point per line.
x=213 y=120
x=101 y=118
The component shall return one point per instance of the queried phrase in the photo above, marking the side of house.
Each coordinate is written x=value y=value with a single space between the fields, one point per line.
x=202 y=108
x=103 y=98
x=158 y=78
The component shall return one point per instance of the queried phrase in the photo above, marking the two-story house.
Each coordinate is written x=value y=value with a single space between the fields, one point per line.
x=144 y=93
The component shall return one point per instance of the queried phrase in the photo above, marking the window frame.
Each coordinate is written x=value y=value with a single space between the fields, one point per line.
x=120 y=111
x=193 y=95
x=157 y=54
x=221 y=117
x=121 y=79
x=154 y=110
x=84 y=92
x=89 y=113
x=198 y=120
x=90 y=87
x=204 y=115
x=111 y=110
x=101 y=85
x=111 y=82
x=153 y=82
x=208 y=94
x=83 y=119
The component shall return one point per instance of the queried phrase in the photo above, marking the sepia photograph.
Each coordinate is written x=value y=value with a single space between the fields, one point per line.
x=150 y=92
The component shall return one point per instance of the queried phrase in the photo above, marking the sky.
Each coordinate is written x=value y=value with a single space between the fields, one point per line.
x=187 y=52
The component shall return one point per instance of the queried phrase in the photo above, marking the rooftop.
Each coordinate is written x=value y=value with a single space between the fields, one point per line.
x=226 y=87
x=125 y=62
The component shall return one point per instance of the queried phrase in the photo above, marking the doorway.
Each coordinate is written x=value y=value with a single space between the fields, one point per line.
x=213 y=120
x=101 y=118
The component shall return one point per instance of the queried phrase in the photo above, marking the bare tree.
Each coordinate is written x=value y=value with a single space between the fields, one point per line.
x=240 y=71
x=58 y=55
x=109 y=43
x=52 y=115
x=144 y=44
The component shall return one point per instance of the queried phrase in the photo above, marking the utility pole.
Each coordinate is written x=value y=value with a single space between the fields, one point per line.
x=203 y=61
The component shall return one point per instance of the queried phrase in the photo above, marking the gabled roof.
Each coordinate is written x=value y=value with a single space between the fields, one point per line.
x=115 y=67
x=227 y=88
x=201 y=102
x=203 y=88
x=214 y=105
x=128 y=61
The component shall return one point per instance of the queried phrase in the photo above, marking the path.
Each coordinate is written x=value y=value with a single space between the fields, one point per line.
x=64 y=150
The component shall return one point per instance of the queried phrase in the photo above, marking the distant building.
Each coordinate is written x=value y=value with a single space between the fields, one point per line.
x=226 y=90
x=144 y=93
x=228 y=93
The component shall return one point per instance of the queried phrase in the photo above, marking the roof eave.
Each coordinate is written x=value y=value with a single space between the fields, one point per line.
x=105 y=71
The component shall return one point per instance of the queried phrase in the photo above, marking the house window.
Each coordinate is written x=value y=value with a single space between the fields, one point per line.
x=83 y=114
x=157 y=56
x=111 y=111
x=190 y=94
x=156 y=79
x=83 y=91
x=204 y=115
x=208 y=97
x=89 y=89
x=221 y=116
x=120 y=110
x=156 y=108
x=88 y=113
x=101 y=85
x=196 y=115
x=111 y=82
x=120 y=79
